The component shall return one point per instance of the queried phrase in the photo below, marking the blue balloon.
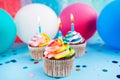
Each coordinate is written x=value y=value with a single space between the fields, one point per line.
x=7 y=31
x=108 y=24
x=56 y=5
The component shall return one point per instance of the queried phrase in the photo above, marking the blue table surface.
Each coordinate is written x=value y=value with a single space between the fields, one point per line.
x=99 y=63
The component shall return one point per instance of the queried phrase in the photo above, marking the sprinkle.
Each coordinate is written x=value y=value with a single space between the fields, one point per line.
x=85 y=51
x=84 y=66
x=118 y=76
x=31 y=59
x=77 y=66
x=7 y=62
x=14 y=61
x=115 y=62
x=31 y=75
x=77 y=69
x=36 y=62
x=25 y=67
x=1 y=64
x=105 y=70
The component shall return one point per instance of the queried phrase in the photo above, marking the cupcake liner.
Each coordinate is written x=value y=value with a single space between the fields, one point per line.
x=36 y=52
x=58 y=68
x=79 y=49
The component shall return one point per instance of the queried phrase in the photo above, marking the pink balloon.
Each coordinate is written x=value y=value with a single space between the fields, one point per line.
x=84 y=19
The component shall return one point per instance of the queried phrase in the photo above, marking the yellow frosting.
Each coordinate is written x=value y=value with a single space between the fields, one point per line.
x=46 y=39
x=58 y=49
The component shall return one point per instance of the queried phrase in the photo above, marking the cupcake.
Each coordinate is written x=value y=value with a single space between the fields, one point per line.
x=76 y=41
x=37 y=45
x=58 y=58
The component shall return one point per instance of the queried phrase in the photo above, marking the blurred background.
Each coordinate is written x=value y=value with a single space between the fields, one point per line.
x=12 y=6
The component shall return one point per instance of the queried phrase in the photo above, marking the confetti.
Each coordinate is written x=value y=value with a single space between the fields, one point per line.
x=85 y=51
x=31 y=75
x=77 y=66
x=118 y=76
x=36 y=62
x=7 y=62
x=25 y=67
x=105 y=70
x=115 y=62
x=84 y=66
x=1 y=64
x=14 y=61
x=32 y=60
x=78 y=69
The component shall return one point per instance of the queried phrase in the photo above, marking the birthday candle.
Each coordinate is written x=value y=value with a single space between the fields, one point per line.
x=59 y=25
x=39 y=26
x=72 y=20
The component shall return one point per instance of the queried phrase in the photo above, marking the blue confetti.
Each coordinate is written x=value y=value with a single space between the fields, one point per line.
x=84 y=66
x=14 y=61
x=7 y=62
x=25 y=67
x=115 y=62
x=1 y=64
x=77 y=66
x=105 y=70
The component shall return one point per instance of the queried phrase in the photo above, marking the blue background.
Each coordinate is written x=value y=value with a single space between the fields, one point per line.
x=99 y=63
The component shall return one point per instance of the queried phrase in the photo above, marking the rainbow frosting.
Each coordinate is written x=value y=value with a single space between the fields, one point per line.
x=57 y=49
x=39 y=40
x=73 y=37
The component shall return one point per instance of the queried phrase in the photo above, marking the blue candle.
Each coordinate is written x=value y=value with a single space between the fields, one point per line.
x=59 y=34
x=59 y=25
x=72 y=26
x=39 y=26
x=39 y=29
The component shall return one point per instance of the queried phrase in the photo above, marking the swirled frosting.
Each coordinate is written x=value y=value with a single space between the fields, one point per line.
x=73 y=38
x=57 y=49
x=39 y=40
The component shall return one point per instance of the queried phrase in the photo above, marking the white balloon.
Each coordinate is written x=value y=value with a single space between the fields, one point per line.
x=27 y=23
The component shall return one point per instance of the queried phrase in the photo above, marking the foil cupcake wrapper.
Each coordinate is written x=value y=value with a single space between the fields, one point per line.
x=58 y=68
x=36 y=52
x=79 y=49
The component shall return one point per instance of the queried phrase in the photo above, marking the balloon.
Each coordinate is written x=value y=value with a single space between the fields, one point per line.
x=7 y=31
x=73 y=1
x=27 y=23
x=56 y=5
x=84 y=19
x=108 y=24
x=18 y=40
x=25 y=2
x=11 y=6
